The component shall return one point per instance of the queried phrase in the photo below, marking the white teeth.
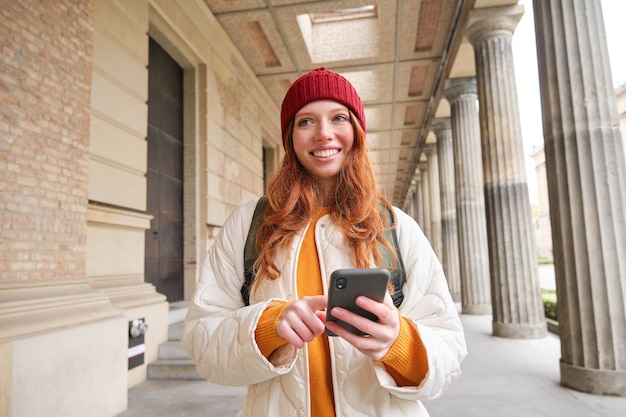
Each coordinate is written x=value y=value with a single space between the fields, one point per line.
x=325 y=153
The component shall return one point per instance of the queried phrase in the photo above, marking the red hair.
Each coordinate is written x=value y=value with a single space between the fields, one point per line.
x=293 y=199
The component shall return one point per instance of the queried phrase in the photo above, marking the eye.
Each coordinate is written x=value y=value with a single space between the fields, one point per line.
x=340 y=118
x=304 y=122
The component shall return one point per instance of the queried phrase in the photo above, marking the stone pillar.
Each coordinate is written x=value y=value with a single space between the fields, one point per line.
x=587 y=193
x=515 y=289
x=410 y=202
x=434 y=200
x=419 y=201
x=449 y=231
x=470 y=201
x=423 y=167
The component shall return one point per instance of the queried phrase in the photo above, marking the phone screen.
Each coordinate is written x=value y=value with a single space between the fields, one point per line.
x=347 y=284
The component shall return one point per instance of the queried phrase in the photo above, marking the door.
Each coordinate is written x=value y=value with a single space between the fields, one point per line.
x=164 y=240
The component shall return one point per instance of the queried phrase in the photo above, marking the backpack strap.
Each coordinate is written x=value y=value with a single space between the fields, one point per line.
x=249 y=251
x=398 y=274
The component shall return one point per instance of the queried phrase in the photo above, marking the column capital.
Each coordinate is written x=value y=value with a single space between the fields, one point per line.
x=457 y=88
x=429 y=149
x=440 y=125
x=492 y=22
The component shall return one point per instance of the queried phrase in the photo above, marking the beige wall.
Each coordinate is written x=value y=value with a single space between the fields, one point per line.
x=89 y=135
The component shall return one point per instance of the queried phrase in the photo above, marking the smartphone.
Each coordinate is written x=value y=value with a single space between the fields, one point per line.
x=347 y=284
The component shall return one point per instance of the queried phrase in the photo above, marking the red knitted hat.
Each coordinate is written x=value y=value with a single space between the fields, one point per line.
x=319 y=84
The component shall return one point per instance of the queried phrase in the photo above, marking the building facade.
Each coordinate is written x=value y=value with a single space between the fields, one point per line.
x=121 y=124
x=129 y=130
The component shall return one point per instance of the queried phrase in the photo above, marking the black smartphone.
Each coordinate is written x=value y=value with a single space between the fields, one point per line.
x=347 y=284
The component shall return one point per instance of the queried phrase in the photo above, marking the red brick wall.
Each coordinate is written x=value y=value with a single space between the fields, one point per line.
x=45 y=82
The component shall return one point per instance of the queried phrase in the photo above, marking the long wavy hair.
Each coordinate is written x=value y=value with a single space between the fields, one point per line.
x=293 y=198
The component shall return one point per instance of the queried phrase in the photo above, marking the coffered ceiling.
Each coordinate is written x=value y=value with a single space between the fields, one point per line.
x=397 y=53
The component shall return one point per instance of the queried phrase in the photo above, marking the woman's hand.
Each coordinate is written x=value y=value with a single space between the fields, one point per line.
x=382 y=334
x=303 y=320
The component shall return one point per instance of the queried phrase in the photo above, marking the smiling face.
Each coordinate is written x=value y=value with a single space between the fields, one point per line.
x=322 y=138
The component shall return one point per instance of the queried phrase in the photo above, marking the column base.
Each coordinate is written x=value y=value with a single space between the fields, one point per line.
x=593 y=381
x=477 y=309
x=520 y=330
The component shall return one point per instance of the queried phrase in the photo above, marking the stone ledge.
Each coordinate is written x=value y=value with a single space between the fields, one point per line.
x=128 y=291
x=32 y=307
x=110 y=216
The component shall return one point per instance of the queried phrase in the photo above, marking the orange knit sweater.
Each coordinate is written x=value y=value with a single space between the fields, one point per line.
x=406 y=361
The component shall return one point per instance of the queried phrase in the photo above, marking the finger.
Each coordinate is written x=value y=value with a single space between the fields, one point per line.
x=385 y=311
x=316 y=302
x=321 y=314
x=295 y=331
x=361 y=323
x=290 y=336
x=363 y=343
x=373 y=345
x=385 y=329
x=299 y=317
x=312 y=314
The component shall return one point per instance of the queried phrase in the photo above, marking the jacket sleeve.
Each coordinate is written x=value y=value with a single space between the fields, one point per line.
x=219 y=329
x=428 y=304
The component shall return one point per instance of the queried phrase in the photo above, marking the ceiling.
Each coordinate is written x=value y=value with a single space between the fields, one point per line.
x=397 y=53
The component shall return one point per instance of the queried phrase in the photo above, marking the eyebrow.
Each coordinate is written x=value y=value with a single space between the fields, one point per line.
x=338 y=108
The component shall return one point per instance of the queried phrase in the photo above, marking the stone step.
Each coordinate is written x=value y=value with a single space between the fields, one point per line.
x=177 y=311
x=173 y=362
x=175 y=331
x=172 y=350
x=183 y=369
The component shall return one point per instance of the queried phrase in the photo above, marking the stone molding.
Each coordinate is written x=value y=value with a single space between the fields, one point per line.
x=458 y=88
x=440 y=125
x=31 y=307
x=128 y=291
x=493 y=22
x=111 y=216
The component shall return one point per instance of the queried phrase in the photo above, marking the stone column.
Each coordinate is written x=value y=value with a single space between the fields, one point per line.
x=410 y=202
x=423 y=167
x=449 y=231
x=419 y=201
x=587 y=192
x=470 y=201
x=515 y=289
x=434 y=199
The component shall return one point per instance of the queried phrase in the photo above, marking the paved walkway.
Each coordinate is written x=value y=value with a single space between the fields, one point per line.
x=501 y=377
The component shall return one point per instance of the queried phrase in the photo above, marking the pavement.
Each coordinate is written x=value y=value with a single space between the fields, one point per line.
x=501 y=377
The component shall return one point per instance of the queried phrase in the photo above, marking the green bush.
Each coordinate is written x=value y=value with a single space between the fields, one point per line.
x=549 y=303
x=545 y=261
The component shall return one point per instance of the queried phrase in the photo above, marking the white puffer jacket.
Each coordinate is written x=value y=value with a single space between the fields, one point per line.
x=219 y=329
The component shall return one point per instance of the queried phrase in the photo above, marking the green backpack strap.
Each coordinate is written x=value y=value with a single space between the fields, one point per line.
x=249 y=251
x=398 y=274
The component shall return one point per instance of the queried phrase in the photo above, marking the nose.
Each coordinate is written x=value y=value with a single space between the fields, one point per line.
x=324 y=131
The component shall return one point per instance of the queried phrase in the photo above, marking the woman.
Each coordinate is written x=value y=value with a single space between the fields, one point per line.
x=324 y=213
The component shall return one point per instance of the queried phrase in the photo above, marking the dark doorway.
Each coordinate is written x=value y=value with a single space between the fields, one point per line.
x=164 y=240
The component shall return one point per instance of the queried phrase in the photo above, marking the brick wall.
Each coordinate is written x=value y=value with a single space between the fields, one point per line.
x=45 y=78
